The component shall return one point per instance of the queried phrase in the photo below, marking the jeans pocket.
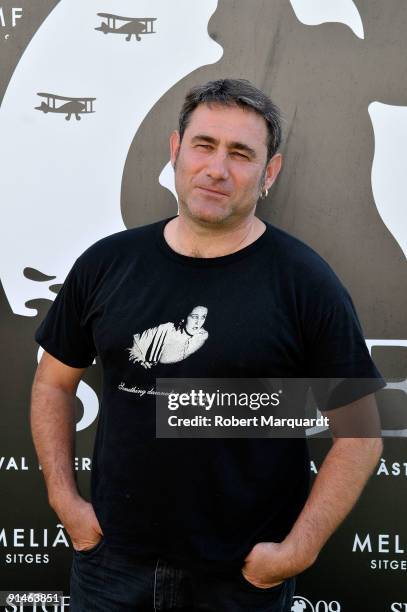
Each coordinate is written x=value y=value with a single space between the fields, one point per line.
x=89 y=552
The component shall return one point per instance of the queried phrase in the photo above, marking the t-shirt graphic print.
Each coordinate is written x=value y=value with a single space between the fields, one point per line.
x=170 y=342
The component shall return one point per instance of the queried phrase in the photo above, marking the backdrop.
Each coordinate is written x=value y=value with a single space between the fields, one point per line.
x=90 y=92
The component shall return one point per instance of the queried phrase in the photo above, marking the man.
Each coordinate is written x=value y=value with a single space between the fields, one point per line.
x=209 y=524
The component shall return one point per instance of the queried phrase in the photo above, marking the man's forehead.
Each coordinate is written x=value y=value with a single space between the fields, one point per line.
x=229 y=120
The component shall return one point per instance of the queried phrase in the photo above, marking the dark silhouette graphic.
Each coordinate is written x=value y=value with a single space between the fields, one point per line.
x=74 y=106
x=134 y=26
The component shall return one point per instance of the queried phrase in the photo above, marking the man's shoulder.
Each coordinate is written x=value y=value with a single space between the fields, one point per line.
x=300 y=261
x=289 y=247
x=125 y=243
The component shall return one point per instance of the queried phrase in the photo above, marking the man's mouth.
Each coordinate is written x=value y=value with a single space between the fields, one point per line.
x=211 y=191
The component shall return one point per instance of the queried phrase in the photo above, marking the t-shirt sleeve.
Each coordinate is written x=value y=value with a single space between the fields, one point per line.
x=66 y=331
x=337 y=350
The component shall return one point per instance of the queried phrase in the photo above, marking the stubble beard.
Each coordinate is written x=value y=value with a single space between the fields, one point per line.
x=202 y=219
x=215 y=220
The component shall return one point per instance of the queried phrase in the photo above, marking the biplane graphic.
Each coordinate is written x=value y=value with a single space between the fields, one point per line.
x=73 y=106
x=135 y=26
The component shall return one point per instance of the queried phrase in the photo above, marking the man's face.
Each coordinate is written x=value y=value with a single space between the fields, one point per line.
x=196 y=319
x=220 y=165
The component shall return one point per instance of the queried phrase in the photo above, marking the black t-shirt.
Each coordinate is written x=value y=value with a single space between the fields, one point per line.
x=273 y=309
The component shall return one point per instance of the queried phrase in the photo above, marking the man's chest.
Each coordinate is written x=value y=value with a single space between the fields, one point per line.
x=199 y=324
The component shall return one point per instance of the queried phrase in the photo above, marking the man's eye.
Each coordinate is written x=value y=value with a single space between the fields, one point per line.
x=239 y=155
x=204 y=146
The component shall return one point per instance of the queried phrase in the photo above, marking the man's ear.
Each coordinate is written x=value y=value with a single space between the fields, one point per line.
x=174 y=146
x=272 y=169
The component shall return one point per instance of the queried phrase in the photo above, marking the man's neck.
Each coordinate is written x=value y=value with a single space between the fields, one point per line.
x=189 y=238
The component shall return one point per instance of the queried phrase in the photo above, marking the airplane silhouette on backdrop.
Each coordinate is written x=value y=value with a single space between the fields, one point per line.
x=74 y=106
x=134 y=26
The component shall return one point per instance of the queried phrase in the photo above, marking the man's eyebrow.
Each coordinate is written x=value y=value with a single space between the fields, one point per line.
x=240 y=146
x=205 y=138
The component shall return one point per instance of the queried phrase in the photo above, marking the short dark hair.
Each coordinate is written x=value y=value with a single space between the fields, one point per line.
x=182 y=323
x=235 y=92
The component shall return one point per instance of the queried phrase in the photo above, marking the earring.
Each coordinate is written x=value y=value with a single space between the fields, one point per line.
x=265 y=193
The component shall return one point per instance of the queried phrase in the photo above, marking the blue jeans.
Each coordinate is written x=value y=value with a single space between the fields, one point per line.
x=106 y=580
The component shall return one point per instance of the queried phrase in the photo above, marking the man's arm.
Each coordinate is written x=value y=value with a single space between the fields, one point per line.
x=338 y=485
x=53 y=430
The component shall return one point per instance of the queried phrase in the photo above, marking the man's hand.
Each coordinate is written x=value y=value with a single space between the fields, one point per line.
x=269 y=563
x=80 y=521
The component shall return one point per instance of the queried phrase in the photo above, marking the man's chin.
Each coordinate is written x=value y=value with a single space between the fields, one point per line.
x=213 y=215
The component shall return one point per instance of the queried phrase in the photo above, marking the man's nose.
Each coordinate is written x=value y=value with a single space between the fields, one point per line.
x=217 y=167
